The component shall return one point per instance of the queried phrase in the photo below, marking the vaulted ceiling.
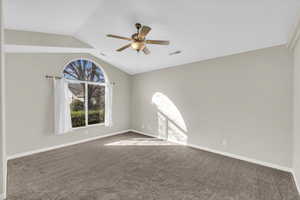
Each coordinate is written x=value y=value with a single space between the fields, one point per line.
x=201 y=29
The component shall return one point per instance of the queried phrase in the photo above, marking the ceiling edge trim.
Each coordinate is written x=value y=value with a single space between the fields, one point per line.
x=11 y=48
x=294 y=37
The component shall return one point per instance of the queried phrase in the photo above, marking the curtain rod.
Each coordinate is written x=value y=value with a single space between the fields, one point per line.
x=58 y=77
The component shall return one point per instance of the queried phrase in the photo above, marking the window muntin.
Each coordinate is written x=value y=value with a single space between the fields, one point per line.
x=87 y=85
x=84 y=70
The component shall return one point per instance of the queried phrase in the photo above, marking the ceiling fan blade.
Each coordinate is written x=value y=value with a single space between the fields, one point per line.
x=146 y=51
x=119 y=37
x=124 y=47
x=161 y=42
x=144 y=31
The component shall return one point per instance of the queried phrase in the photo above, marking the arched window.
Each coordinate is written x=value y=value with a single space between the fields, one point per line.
x=88 y=85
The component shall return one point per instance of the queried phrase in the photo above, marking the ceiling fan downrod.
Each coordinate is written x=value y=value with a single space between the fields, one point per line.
x=138 y=27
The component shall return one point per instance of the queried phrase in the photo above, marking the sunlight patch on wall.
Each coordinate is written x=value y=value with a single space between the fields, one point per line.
x=171 y=125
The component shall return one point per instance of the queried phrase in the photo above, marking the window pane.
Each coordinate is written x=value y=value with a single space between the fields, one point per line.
x=96 y=104
x=76 y=70
x=84 y=70
x=77 y=106
x=94 y=73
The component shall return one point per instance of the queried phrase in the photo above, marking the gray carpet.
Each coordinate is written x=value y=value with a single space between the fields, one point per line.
x=135 y=167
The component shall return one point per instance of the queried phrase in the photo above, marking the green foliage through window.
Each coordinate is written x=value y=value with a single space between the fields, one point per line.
x=86 y=97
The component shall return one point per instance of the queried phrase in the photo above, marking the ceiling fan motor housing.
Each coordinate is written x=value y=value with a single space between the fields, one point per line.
x=135 y=36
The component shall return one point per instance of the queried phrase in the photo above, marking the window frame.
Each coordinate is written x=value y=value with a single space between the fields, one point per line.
x=86 y=83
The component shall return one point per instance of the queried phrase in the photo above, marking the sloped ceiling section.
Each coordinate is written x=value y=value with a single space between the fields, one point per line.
x=14 y=37
x=50 y=16
x=201 y=29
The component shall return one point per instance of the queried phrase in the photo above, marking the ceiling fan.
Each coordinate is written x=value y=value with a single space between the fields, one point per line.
x=138 y=39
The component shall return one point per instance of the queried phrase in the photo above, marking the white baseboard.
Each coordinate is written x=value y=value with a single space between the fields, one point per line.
x=2 y=196
x=295 y=180
x=267 y=164
x=19 y=155
x=251 y=160
x=143 y=133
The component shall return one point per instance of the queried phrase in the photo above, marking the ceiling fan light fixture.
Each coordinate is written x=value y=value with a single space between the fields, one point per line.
x=138 y=45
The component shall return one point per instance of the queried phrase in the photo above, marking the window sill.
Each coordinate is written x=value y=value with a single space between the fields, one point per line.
x=88 y=126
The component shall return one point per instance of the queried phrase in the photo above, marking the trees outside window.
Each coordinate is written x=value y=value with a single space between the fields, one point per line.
x=87 y=84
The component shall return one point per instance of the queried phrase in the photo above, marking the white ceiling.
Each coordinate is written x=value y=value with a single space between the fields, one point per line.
x=201 y=29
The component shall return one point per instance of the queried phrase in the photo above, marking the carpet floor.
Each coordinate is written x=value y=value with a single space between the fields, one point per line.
x=135 y=167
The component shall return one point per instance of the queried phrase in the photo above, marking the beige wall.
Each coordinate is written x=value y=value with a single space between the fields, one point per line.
x=29 y=99
x=240 y=104
x=2 y=122
x=296 y=158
